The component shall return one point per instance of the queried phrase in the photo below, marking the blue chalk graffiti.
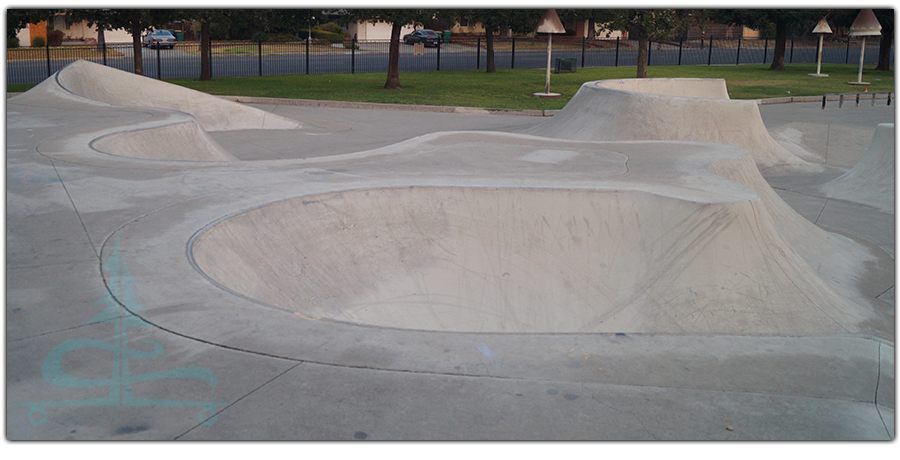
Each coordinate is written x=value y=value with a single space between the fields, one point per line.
x=120 y=286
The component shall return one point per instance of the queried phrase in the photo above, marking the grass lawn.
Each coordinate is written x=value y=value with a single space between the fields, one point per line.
x=513 y=89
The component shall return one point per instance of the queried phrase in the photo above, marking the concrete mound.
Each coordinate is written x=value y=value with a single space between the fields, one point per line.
x=660 y=248
x=182 y=141
x=667 y=109
x=871 y=181
x=112 y=86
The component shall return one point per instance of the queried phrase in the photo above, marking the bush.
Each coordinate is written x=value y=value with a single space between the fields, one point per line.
x=38 y=42
x=12 y=42
x=54 y=37
x=330 y=32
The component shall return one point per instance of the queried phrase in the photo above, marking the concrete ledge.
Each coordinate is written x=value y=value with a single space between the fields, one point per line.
x=381 y=106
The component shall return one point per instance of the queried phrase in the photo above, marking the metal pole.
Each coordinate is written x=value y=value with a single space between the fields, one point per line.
x=862 y=56
x=439 y=56
x=512 y=62
x=841 y=102
x=847 y=56
x=819 y=54
x=709 y=59
x=791 y=61
x=680 y=46
x=259 y=55
x=765 y=51
x=823 y=101
x=549 y=44
x=47 y=48
x=649 y=47
x=104 y=53
x=158 y=66
x=617 y=51
x=478 y=54
x=583 y=42
x=308 y=38
x=353 y=55
x=738 y=60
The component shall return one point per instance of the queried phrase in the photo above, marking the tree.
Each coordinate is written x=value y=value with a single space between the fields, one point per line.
x=886 y=19
x=135 y=21
x=520 y=21
x=397 y=19
x=18 y=19
x=647 y=24
x=783 y=21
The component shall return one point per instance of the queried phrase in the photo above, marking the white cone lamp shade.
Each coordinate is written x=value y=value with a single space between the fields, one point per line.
x=821 y=30
x=549 y=24
x=865 y=25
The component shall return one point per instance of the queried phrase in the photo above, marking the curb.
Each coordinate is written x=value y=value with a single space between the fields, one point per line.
x=381 y=106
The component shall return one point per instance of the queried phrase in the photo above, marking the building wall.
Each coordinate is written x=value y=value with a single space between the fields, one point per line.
x=380 y=30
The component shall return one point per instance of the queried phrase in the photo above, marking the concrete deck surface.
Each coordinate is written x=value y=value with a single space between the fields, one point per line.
x=94 y=239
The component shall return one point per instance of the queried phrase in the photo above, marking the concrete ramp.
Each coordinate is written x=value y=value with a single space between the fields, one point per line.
x=179 y=141
x=667 y=109
x=871 y=181
x=663 y=245
x=112 y=86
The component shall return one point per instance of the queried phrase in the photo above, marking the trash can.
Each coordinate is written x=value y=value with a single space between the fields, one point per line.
x=179 y=36
x=446 y=36
x=566 y=64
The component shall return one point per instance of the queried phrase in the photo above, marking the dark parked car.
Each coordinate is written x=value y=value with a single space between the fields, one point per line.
x=427 y=36
x=159 y=39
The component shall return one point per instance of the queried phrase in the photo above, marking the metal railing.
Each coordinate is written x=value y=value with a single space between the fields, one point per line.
x=864 y=97
x=248 y=58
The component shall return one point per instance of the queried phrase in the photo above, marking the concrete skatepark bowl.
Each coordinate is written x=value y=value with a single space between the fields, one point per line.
x=441 y=285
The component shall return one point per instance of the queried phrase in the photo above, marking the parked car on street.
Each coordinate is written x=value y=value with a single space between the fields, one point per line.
x=159 y=39
x=426 y=36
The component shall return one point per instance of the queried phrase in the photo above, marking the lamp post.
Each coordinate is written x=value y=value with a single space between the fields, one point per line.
x=820 y=30
x=549 y=25
x=864 y=26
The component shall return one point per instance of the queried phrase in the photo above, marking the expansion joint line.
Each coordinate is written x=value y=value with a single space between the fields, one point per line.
x=821 y=211
x=74 y=208
x=239 y=400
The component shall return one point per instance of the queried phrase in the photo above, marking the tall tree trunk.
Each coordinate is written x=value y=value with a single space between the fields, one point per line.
x=136 y=45
x=393 y=76
x=489 y=43
x=780 y=44
x=204 y=51
x=884 y=50
x=643 y=51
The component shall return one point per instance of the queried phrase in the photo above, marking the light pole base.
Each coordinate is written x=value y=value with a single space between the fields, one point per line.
x=817 y=74
x=858 y=83
x=548 y=95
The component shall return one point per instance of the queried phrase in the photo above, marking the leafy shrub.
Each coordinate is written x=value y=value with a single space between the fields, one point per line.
x=12 y=42
x=38 y=42
x=54 y=37
x=330 y=32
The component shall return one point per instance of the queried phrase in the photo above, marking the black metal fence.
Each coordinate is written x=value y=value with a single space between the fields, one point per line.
x=237 y=59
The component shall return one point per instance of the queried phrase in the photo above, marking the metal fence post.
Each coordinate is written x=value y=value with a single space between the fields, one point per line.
x=583 y=43
x=104 y=53
x=617 y=52
x=259 y=55
x=47 y=48
x=649 y=48
x=308 y=38
x=512 y=61
x=791 y=60
x=709 y=59
x=158 y=64
x=353 y=55
x=680 y=46
x=439 y=56
x=847 y=56
x=478 y=54
x=765 y=51
x=738 y=60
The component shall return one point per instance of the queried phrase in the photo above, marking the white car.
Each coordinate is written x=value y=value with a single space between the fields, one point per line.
x=159 y=39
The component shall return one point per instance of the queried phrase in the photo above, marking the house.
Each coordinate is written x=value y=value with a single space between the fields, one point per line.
x=367 y=30
x=73 y=33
